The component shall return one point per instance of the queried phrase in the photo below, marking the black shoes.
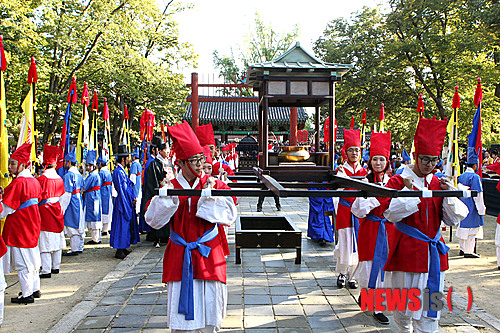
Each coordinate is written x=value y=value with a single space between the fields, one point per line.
x=55 y=271
x=278 y=207
x=472 y=255
x=104 y=233
x=23 y=300
x=461 y=253
x=259 y=209
x=92 y=242
x=70 y=253
x=45 y=276
x=156 y=244
x=341 y=281
x=353 y=284
x=322 y=242
x=121 y=254
x=381 y=318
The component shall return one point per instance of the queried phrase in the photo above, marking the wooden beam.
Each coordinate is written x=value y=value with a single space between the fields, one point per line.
x=189 y=99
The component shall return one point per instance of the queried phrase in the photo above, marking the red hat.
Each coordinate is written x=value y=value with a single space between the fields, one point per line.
x=22 y=154
x=205 y=134
x=380 y=144
x=50 y=154
x=352 y=138
x=429 y=137
x=186 y=143
x=208 y=153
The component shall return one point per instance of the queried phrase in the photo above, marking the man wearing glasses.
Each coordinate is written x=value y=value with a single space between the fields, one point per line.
x=194 y=266
x=417 y=253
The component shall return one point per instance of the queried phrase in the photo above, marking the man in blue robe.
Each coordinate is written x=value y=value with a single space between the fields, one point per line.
x=124 y=228
x=471 y=227
x=136 y=178
x=319 y=226
x=92 y=198
x=72 y=205
x=106 y=193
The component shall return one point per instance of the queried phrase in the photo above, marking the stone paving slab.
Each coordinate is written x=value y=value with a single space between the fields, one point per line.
x=267 y=293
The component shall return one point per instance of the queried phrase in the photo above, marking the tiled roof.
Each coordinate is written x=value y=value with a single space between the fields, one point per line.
x=244 y=113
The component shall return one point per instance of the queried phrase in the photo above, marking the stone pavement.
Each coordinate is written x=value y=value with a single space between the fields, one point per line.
x=267 y=293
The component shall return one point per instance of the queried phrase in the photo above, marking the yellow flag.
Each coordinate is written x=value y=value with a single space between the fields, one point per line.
x=4 y=143
x=27 y=134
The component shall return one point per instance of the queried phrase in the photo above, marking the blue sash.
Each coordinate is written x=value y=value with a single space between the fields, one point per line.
x=48 y=200
x=29 y=202
x=380 y=253
x=186 y=298
x=436 y=246
x=354 y=224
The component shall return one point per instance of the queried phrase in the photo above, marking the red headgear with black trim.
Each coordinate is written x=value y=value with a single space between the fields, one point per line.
x=186 y=143
x=22 y=154
x=50 y=154
x=380 y=144
x=205 y=134
x=429 y=137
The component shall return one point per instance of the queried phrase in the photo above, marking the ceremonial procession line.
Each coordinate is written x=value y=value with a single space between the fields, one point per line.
x=268 y=292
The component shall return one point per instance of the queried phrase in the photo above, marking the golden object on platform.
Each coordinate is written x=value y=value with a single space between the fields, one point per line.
x=293 y=154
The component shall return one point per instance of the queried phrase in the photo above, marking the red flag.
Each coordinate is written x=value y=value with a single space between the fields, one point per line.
x=85 y=95
x=147 y=124
x=72 y=88
x=381 y=116
x=125 y=113
x=3 y=61
x=478 y=95
x=456 y=99
x=105 y=112
x=95 y=103
x=363 y=119
x=352 y=122
x=32 y=76
x=326 y=130
x=420 y=105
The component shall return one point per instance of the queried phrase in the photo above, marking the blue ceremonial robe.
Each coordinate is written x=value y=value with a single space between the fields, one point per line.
x=142 y=222
x=73 y=183
x=136 y=168
x=92 y=197
x=473 y=219
x=106 y=190
x=124 y=229
x=320 y=226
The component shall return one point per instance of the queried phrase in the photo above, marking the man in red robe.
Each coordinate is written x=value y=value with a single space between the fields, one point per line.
x=51 y=240
x=347 y=225
x=417 y=253
x=194 y=266
x=22 y=225
x=205 y=135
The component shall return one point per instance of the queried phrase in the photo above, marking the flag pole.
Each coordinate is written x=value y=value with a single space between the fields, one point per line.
x=4 y=138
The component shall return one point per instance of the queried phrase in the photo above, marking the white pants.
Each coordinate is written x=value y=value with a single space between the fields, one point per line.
x=96 y=235
x=362 y=275
x=467 y=245
x=106 y=221
x=50 y=261
x=467 y=238
x=76 y=238
x=346 y=258
x=497 y=243
x=26 y=261
x=407 y=325
x=2 y=290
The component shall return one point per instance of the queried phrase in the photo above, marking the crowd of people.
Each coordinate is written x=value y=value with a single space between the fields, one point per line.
x=132 y=195
x=396 y=243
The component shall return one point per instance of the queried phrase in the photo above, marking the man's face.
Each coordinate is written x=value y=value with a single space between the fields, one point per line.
x=427 y=163
x=196 y=164
x=13 y=164
x=89 y=167
x=163 y=153
x=213 y=150
x=353 y=154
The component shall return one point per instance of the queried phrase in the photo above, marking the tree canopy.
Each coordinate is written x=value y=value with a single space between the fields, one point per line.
x=415 y=47
x=127 y=50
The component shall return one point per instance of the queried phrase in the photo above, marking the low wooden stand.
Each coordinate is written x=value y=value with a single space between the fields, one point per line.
x=267 y=232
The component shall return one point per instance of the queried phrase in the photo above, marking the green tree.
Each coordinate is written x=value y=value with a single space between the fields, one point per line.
x=262 y=43
x=127 y=50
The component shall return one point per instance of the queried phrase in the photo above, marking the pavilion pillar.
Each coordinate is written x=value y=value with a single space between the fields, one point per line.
x=293 y=126
x=195 y=115
x=316 y=137
x=331 y=114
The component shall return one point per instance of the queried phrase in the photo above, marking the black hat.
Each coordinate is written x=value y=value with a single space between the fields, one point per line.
x=122 y=151
x=158 y=143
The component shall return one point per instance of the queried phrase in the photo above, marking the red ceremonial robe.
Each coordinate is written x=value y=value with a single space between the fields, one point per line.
x=407 y=254
x=190 y=228
x=367 y=235
x=51 y=213
x=344 y=214
x=22 y=228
